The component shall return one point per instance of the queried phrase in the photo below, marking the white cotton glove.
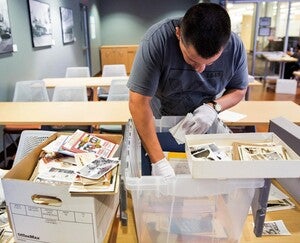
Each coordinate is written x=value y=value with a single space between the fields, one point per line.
x=203 y=118
x=163 y=168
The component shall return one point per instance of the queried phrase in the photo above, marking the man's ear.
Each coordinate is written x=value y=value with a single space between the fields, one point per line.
x=178 y=33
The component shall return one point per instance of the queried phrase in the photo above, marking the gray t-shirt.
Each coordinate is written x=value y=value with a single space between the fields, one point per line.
x=160 y=71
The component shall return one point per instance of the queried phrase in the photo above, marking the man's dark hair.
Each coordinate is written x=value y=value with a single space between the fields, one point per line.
x=206 y=26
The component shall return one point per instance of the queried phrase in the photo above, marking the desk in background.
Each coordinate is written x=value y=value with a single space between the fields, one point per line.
x=261 y=112
x=279 y=57
x=90 y=82
x=64 y=113
x=117 y=112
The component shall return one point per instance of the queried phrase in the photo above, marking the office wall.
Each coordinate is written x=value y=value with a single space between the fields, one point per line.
x=125 y=22
x=37 y=63
x=30 y=63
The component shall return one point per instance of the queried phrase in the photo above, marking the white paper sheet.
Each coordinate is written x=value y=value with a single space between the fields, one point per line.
x=231 y=116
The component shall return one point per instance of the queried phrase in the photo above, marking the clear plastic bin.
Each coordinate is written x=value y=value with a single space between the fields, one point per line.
x=185 y=209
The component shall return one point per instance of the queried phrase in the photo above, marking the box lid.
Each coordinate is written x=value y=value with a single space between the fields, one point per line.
x=237 y=168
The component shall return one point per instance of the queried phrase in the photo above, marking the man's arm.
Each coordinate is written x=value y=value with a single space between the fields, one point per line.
x=231 y=97
x=142 y=115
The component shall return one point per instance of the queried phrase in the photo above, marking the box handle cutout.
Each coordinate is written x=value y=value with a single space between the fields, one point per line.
x=46 y=200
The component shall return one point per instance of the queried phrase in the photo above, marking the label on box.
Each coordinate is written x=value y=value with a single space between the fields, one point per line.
x=58 y=225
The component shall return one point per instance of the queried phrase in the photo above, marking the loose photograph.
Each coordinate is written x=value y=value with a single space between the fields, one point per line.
x=97 y=168
x=252 y=152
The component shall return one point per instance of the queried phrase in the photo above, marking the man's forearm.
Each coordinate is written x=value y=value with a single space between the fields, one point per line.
x=231 y=98
x=144 y=122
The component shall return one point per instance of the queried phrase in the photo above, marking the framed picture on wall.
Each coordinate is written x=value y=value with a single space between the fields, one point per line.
x=264 y=31
x=40 y=23
x=67 y=25
x=265 y=21
x=6 y=42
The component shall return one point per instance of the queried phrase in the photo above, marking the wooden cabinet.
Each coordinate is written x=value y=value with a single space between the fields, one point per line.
x=118 y=54
x=246 y=32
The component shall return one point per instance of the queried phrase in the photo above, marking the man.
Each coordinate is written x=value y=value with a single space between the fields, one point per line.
x=290 y=67
x=181 y=66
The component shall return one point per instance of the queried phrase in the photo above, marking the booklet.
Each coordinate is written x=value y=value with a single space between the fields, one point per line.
x=81 y=141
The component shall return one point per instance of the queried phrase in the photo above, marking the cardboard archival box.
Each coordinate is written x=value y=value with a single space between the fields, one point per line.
x=45 y=213
x=241 y=169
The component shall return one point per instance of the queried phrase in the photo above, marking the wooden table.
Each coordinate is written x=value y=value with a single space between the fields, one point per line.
x=117 y=112
x=64 y=113
x=261 y=112
x=279 y=57
x=89 y=82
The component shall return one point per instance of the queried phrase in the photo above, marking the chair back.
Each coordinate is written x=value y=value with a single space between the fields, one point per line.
x=113 y=70
x=30 y=139
x=31 y=90
x=73 y=72
x=118 y=90
x=70 y=93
